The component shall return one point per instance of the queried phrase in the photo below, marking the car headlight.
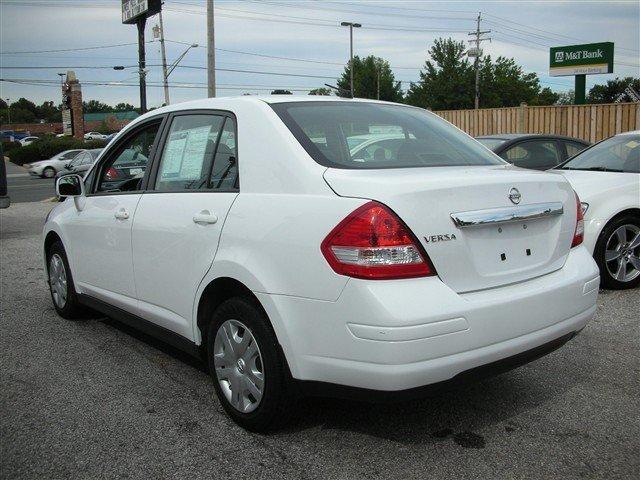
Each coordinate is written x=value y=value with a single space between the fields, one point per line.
x=584 y=206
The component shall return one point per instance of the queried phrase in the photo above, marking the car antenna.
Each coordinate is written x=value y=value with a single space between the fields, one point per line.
x=341 y=91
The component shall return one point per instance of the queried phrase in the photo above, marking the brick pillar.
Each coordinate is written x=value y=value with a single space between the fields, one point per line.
x=77 y=114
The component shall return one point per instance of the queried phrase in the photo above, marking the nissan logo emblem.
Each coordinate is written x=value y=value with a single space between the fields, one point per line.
x=514 y=196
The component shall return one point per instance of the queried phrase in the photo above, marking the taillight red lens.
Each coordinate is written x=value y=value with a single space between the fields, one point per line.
x=578 y=234
x=372 y=242
x=111 y=174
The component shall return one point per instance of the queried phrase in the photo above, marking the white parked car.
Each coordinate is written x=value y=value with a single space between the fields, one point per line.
x=28 y=140
x=607 y=179
x=49 y=168
x=249 y=235
x=94 y=136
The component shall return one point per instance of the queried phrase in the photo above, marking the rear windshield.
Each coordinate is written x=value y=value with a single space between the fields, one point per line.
x=491 y=143
x=616 y=154
x=371 y=135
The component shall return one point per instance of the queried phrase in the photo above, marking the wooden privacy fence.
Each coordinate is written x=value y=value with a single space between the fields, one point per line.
x=588 y=122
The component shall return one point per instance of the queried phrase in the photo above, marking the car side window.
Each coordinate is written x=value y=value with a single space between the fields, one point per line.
x=573 y=148
x=536 y=154
x=123 y=170
x=225 y=165
x=69 y=155
x=189 y=154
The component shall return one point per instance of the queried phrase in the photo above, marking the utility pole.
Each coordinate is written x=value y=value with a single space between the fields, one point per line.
x=379 y=66
x=211 y=52
x=351 y=26
x=164 y=61
x=142 y=64
x=477 y=53
x=9 y=110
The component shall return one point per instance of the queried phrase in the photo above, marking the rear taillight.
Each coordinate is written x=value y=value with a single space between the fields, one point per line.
x=578 y=234
x=372 y=242
x=111 y=174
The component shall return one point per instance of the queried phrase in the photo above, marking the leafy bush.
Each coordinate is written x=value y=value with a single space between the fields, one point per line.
x=9 y=145
x=47 y=147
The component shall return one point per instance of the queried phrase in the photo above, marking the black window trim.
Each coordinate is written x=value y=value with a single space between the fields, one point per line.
x=116 y=148
x=150 y=186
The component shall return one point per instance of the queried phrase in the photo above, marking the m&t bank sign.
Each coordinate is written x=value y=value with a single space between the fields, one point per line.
x=581 y=59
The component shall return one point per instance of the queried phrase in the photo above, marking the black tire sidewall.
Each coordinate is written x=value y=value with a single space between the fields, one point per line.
x=606 y=279
x=49 y=169
x=72 y=309
x=269 y=413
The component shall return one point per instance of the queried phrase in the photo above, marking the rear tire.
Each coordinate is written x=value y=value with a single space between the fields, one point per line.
x=617 y=253
x=61 y=287
x=248 y=368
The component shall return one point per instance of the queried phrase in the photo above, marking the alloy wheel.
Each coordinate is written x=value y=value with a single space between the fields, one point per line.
x=49 y=172
x=622 y=253
x=58 y=280
x=238 y=365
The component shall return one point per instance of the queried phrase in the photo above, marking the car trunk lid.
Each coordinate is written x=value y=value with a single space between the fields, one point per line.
x=472 y=231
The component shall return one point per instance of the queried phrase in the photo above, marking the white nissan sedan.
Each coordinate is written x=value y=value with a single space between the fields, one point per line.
x=248 y=234
x=607 y=178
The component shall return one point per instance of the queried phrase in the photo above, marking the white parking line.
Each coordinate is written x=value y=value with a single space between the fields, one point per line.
x=15 y=175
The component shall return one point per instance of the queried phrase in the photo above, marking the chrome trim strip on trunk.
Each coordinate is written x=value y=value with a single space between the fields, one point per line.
x=478 y=218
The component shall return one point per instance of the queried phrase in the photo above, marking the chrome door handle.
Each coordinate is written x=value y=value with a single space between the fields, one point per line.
x=205 y=217
x=121 y=214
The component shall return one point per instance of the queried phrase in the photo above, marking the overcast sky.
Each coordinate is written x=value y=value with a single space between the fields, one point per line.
x=399 y=31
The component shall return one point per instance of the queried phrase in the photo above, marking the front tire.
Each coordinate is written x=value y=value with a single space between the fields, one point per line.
x=247 y=366
x=617 y=253
x=49 y=172
x=61 y=287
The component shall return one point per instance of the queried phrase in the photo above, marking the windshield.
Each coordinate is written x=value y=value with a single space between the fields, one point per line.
x=491 y=143
x=371 y=135
x=616 y=154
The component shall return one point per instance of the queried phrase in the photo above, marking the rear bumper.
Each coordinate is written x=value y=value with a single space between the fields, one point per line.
x=403 y=334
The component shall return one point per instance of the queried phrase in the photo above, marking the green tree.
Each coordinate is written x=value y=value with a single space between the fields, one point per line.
x=320 y=91
x=95 y=106
x=546 y=97
x=566 y=98
x=281 y=92
x=612 y=90
x=124 y=107
x=49 y=112
x=447 y=79
x=371 y=75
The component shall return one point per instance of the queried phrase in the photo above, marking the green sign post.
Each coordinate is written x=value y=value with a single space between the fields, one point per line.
x=579 y=61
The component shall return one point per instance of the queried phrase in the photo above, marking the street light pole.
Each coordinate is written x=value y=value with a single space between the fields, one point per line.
x=351 y=26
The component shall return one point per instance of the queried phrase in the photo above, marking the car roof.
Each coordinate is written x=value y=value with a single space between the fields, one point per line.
x=226 y=103
x=519 y=136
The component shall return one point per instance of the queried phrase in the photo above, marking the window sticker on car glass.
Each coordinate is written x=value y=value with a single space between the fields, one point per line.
x=194 y=152
x=632 y=144
x=174 y=153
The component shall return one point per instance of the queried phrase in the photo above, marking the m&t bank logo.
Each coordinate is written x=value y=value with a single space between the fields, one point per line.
x=559 y=57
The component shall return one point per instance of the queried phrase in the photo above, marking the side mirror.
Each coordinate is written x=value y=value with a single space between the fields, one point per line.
x=70 y=186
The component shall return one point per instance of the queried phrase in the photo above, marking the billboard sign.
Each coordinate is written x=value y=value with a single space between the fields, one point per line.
x=133 y=10
x=585 y=59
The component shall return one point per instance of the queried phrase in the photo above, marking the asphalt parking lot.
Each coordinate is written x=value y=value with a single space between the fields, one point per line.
x=94 y=399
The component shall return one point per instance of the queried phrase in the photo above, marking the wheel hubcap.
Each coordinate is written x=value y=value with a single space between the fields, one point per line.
x=238 y=366
x=58 y=280
x=622 y=253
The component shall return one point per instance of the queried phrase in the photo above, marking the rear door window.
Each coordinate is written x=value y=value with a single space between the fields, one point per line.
x=189 y=151
x=535 y=154
x=573 y=148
